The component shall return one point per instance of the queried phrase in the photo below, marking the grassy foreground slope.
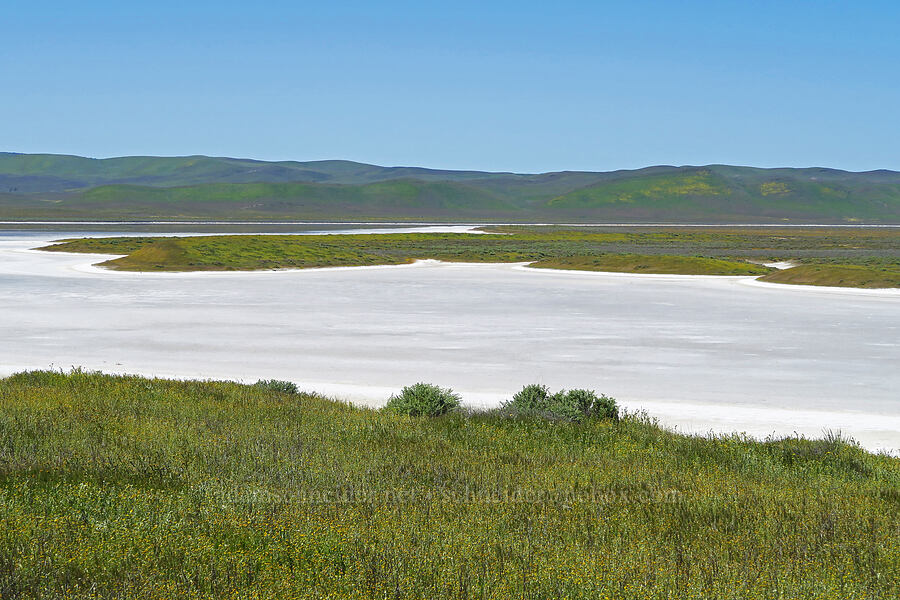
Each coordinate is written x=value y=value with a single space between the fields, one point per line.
x=133 y=487
x=830 y=256
x=201 y=187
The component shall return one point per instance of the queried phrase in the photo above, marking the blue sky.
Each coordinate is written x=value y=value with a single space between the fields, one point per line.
x=495 y=86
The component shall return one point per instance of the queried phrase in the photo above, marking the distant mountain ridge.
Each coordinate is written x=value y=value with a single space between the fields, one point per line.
x=58 y=172
x=48 y=186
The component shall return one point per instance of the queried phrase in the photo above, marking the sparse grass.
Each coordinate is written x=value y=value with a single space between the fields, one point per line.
x=128 y=487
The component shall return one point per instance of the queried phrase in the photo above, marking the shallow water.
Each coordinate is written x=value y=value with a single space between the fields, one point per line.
x=700 y=353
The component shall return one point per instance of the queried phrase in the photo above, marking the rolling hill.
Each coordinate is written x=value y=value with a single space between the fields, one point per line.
x=46 y=186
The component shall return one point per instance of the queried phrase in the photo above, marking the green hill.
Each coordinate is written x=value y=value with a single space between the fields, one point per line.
x=44 y=186
x=395 y=199
x=730 y=193
x=36 y=173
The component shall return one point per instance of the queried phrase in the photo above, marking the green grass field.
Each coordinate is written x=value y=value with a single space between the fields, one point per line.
x=125 y=487
x=864 y=257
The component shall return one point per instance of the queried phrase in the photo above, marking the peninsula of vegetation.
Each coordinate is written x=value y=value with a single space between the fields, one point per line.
x=114 y=486
x=848 y=257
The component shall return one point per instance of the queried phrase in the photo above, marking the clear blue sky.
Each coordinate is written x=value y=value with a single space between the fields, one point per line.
x=496 y=85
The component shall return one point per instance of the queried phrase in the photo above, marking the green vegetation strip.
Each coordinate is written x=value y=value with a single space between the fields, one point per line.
x=238 y=252
x=637 y=263
x=837 y=276
x=845 y=257
x=116 y=486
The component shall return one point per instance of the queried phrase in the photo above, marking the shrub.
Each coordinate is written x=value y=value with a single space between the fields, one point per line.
x=275 y=385
x=532 y=397
x=572 y=405
x=576 y=403
x=605 y=407
x=423 y=399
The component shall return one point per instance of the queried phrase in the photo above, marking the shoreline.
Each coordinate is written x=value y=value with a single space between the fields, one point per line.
x=451 y=223
x=430 y=228
x=94 y=268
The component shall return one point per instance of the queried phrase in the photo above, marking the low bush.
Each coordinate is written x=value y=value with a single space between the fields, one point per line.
x=571 y=405
x=534 y=397
x=275 y=385
x=423 y=399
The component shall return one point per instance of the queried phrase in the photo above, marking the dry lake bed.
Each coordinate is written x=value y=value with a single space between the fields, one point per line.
x=699 y=353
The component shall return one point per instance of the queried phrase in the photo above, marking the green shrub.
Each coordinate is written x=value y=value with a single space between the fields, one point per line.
x=275 y=385
x=605 y=407
x=571 y=405
x=423 y=399
x=532 y=397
